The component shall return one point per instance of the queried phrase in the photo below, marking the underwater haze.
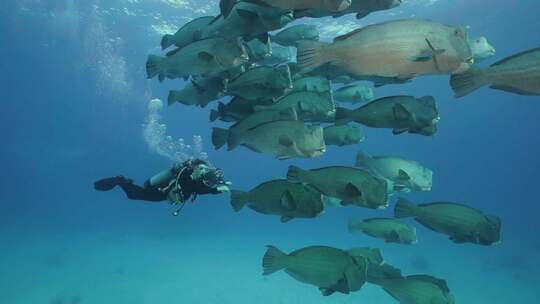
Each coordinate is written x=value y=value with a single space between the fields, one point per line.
x=76 y=107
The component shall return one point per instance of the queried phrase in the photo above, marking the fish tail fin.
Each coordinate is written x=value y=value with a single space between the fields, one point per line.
x=219 y=137
x=173 y=97
x=311 y=55
x=233 y=140
x=167 y=41
x=238 y=200
x=467 y=82
x=153 y=66
x=214 y=115
x=404 y=208
x=354 y=225
x=294 y=174
x=273 y=260
x=378 y=274
x=343 y=115
x=362 y=159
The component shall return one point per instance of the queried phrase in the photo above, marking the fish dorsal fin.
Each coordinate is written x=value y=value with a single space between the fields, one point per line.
x=344 y=37
x=205 y=56
x=515 y=56
x=225 y=6
x=433 y=280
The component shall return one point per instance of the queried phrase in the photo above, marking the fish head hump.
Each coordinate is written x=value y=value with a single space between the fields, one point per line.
x=490 y=231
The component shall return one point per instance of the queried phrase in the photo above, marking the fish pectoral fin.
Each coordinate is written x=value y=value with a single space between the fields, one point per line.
x=342 y=286
x=399 y=131
x=361 y=15
x=400 y=112
x=393 y=237
x=287 y=201
x=286 y=141
x=399 y=187
x=205 y=56
x=351 y=191
x=198 y=87
x=285 y=219
x=403 y=176
x=326 y=291
x=171 y=53
x=427 y=55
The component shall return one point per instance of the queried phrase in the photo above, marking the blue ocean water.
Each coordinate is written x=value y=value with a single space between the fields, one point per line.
x=74 y=100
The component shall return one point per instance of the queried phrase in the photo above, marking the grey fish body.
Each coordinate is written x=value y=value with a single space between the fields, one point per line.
x=262 y=82
x=388 y=229
x=404 y=175
x=220 y=136
x=290 y=35
x=237 y=109
x=518 y=74
x=461 y=223
x=361 y=8
x=351 y=185
x=403 y=48
x=198 y=92
x=353 y=94
x=280 y=197
x=419 y=289
x=342 y=135
x=190 y=32
x=400 y=113
x=205 y=57
x=311 y=84
x=328 y=268
x=310 y=106
x=330 y=5
x=282 y=139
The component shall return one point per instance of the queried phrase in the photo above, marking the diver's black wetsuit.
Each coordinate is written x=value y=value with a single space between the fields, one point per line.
x=190 y=188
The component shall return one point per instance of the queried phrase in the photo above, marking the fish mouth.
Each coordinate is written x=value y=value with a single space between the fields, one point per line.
x=436 y=120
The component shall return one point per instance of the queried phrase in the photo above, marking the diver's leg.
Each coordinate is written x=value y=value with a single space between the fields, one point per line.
x=136 y=192
x=109 y=183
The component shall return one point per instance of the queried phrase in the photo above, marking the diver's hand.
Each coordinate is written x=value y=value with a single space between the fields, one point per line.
x=223 y=188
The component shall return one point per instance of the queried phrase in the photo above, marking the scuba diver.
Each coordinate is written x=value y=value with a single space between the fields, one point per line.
x=183 y=182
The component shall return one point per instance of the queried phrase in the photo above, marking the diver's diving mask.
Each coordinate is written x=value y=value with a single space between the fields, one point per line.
x=210 y=176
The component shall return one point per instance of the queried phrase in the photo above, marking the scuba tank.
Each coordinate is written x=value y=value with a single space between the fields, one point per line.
x=161 y=179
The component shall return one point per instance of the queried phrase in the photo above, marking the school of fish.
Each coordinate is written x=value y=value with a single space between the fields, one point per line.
x=289 y=106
